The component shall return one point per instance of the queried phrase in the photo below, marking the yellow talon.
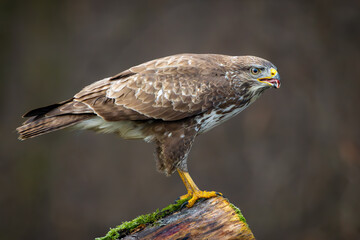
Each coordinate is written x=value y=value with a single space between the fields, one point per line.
x=193 y=191
x=186 y=196
x=200 y=194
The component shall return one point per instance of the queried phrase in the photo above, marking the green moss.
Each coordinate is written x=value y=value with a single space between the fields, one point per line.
x=147 y=219
x=237 y=210
x=150 y=219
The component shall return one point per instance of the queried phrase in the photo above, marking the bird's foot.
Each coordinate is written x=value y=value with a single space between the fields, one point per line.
x=197 y=195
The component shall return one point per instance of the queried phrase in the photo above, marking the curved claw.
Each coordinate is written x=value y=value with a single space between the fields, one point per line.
x=200 y=194
x=184 y=204
x=194 y=193
x=185 y=196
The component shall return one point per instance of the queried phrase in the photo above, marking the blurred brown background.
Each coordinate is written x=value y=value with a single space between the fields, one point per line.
x=291 y=161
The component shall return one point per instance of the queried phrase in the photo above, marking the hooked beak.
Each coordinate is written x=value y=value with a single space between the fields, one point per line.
x=273 y=80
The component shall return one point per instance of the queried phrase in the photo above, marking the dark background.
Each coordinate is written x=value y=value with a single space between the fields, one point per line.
x=291 y=161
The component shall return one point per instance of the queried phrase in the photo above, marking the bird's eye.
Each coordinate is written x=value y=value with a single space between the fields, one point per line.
x=255 y=71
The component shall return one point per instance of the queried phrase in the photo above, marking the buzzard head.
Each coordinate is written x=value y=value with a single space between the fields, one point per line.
x=260 y=73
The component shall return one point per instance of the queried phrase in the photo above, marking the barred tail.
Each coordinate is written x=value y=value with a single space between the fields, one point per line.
x=53 y=117
x=33 y=128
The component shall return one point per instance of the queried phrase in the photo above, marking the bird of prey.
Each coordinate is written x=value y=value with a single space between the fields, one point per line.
x=167 y=101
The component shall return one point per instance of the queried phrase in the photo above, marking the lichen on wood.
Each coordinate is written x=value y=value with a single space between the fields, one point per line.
x=213 y=218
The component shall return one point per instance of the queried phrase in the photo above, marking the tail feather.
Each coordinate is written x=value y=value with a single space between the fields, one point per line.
x=53 y=117
x=39 y=112
x=35 y=127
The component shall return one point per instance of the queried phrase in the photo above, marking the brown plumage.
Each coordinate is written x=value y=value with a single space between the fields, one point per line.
x=168 y=101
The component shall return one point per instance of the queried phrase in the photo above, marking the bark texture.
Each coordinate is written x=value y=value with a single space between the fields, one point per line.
x=213 y=218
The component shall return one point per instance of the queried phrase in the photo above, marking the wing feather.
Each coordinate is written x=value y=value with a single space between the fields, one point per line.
x=170 y=88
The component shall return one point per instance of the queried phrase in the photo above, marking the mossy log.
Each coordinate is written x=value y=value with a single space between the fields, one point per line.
x=213 y=218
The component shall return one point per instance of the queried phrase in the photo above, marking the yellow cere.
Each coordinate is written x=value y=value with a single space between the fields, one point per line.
x=273 y=72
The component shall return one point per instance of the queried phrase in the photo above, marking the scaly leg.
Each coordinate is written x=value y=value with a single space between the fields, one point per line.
x=192 y=190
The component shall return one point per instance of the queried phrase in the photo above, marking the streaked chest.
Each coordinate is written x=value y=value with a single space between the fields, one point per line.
x=211 y=119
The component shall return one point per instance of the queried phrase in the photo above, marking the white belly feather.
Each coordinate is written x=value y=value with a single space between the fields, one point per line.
x=125 y=129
